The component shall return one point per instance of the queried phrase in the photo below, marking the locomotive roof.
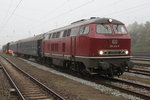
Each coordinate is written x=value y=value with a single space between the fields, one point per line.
x=86 y=21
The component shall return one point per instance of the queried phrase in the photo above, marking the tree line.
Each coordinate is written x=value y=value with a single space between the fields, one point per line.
x=140 y=36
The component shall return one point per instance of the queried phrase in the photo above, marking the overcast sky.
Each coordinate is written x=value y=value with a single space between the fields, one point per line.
x=24 y=18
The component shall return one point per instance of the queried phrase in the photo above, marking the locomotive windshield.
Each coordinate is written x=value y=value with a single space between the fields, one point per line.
x=103 y=28
x=107 y=29
x=119 y=29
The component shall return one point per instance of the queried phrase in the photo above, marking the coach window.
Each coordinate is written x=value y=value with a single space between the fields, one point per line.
x=84 y=29
x=74 y=31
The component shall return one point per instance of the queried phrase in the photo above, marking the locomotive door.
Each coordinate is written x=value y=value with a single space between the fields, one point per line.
x=73 y=45
x=39 y=47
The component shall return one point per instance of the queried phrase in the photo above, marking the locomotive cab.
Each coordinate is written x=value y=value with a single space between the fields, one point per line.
x=108 y=48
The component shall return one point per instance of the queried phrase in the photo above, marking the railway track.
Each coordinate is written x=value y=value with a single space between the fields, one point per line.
x=26 y=86
x=140 y=72
x=128 y=87
x=141 y=60
x=116 y=83
x=124 y=86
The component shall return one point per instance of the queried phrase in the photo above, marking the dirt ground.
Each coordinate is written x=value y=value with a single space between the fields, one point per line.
x=69 y=89
x=5 y=87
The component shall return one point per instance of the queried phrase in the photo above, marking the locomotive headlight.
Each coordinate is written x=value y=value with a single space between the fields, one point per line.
x=126 y=52
x=110 y=20
x=101 y=52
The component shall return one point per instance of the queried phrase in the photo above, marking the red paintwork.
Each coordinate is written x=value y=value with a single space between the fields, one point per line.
x=48 y=48
x=89 y=44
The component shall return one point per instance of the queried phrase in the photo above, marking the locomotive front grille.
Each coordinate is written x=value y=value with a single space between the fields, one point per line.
x=114 y=52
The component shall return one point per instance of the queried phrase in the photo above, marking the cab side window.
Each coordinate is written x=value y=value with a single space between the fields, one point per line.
x=74 y=31
x=84 y=29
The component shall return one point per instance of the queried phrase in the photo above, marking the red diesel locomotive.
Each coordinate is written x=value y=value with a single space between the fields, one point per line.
x=96 y=46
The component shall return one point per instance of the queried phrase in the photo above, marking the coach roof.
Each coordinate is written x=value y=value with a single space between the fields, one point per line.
x=35 y=38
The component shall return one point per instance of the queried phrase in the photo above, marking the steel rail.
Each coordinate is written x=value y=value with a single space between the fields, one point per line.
x=146 y=74
x=122 y=89
x=141 y=64
x=13 y=83
x=130 y=83
x=141 y=70
x=56 y=96
x=146 y=97
x=140 y=59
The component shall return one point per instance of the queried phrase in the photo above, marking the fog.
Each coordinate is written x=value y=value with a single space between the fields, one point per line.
x=24 y=18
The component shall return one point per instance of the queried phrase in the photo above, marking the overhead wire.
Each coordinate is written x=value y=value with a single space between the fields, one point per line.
x=64 y=13
x=51 y=12
x=128 y=14
x=111 y=4
x=123 y=10
x=71 y=10
x=127 y=9
x=11 y=15
x=7 y=11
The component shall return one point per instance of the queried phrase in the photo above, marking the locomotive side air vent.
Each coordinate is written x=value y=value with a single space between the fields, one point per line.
x=78 y=21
